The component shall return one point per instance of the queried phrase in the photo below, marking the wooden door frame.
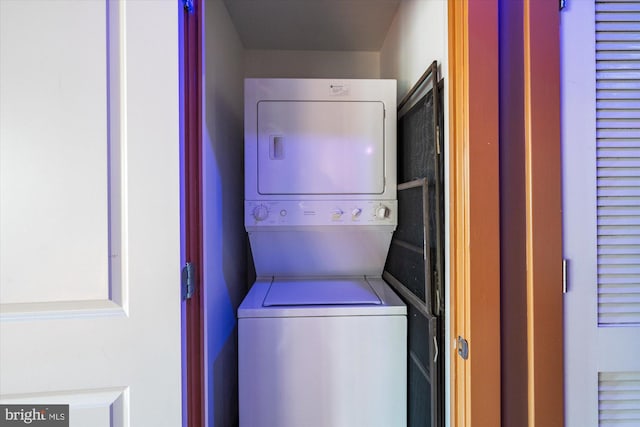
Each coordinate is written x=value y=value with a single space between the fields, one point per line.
x=474 y=207
x=193 y=310
x=474 y=212
x=543 y=179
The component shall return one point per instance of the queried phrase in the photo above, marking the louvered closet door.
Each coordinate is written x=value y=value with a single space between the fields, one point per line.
x=601 y=212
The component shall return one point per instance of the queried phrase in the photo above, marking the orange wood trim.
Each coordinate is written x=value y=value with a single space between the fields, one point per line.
x=543 y=213
x=513 y=268
x=474 y=204
x=458 y=125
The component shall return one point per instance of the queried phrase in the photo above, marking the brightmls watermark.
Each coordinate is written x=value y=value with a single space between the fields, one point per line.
x=34 y=415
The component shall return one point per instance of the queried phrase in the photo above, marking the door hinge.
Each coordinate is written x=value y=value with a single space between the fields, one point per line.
x=188 y=279
x=564 y=275
x=188 y=5
x=438 y=139
x=463 y=348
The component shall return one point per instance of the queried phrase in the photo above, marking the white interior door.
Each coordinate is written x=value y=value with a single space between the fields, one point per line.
x=90 y=209
x=601 y=208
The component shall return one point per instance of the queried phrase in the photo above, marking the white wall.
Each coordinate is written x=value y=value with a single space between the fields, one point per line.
x=312 y=64
x=417 y=37
x=224 y=236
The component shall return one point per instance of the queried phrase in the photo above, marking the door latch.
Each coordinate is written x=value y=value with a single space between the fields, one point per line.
x=463 y=348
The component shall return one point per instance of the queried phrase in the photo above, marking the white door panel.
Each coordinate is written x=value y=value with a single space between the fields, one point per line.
x=89 y=199
x=601 y=214
x=53 y=115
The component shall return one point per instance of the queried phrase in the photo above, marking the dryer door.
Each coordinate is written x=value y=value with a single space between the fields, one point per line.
x=320 y=147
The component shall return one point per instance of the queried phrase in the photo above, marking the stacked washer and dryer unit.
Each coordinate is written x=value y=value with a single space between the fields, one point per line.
x=322 y=338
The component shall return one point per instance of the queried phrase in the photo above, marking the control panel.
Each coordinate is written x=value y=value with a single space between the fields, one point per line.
x=320 y=212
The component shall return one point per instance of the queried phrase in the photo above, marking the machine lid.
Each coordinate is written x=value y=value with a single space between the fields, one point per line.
x=296 y=292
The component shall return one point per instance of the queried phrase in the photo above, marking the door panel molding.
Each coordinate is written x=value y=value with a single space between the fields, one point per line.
x=108 y=407
x=59 y=310
x=94 y=214
x=117 y=140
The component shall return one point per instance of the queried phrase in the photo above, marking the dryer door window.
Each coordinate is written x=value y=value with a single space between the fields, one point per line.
x=320 y=147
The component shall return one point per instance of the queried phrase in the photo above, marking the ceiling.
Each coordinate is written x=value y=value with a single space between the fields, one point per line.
x=312 y=24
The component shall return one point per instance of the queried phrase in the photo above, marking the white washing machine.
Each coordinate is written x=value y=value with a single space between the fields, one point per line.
x=322 y=338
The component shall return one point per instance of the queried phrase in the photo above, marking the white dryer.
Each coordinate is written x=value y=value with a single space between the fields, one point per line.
x=322 y=338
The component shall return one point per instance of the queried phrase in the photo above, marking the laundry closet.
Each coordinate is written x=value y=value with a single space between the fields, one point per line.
x=332 y=39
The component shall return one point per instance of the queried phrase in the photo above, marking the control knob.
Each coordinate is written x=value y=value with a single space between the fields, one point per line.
x=260 y=212
x=382 y=212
